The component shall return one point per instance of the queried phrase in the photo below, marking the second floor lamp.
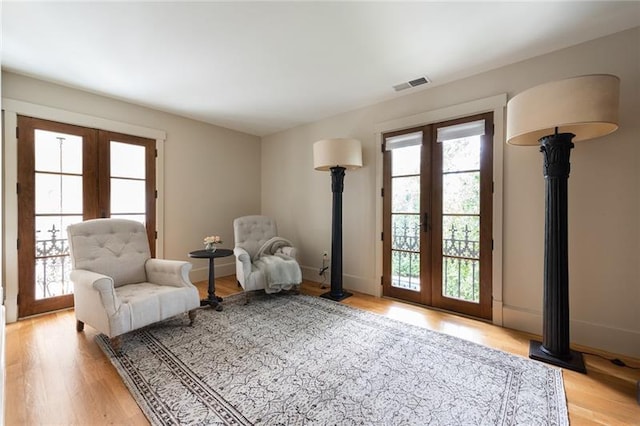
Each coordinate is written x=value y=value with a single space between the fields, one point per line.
x=553 y=116
x=337 y=155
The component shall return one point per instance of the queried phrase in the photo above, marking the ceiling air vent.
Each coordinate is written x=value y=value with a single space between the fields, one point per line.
x=413 y=83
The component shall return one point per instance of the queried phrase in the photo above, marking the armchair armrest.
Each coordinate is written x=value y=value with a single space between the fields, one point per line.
x=168 y=272
x=290 y=251
x=242 y=254
x=243 y=257
x=94 y=289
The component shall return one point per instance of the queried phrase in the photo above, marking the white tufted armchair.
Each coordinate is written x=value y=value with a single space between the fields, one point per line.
x=251 y=235
x=118 y=287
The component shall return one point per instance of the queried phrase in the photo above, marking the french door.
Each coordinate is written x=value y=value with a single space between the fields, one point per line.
x=67 y=174
x=437 y=202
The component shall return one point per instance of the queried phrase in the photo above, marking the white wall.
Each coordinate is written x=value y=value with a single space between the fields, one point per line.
x=604 y=196
x=211 y=174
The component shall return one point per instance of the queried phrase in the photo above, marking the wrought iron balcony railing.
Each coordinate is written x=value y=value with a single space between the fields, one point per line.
x=460 y=252
x=53 y=265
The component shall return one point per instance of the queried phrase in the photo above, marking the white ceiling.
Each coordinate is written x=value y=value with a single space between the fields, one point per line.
x=262 y=67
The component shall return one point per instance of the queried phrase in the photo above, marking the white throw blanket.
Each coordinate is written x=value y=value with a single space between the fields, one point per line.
x=281 y=271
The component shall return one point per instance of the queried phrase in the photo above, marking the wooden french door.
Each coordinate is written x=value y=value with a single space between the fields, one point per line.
x=437 y=221
x=67 y=174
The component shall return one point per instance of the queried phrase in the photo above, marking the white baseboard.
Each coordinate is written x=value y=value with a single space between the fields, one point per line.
x=598 y=336
x=349 y=282
x=497 y=313
x=11 y=309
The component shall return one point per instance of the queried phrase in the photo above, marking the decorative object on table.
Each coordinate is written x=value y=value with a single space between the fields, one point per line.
x=552 y=115
x=118 y=287
x=211 y=300
x=264 y=260
x=279 y=361
x=337 y=155
x=210 y=243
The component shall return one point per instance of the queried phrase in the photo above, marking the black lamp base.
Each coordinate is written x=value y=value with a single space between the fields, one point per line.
x=575 y=362
x=341 y=296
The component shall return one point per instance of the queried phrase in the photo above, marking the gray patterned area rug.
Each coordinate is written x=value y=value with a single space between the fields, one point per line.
x=301 y=360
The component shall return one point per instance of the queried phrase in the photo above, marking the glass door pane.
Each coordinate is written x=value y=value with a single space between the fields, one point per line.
x=461 y=219
x=52 y=263
x=403 y=270
x=58 y=203
x=57 y=171
x=128 y=181
x=405 y=217
x=127 y=160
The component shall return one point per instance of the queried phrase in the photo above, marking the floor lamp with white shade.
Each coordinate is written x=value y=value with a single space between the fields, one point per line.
x=553 y=116
x=337 y=155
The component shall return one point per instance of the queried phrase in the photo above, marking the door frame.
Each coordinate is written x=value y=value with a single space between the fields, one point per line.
x=430 y=216
x=27 y=302
x=495 y=104
x=11 y=109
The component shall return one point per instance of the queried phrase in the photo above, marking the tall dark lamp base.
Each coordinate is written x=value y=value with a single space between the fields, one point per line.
x=337 y=187
x=554 y=348
x=573 y=362
x=338 y=297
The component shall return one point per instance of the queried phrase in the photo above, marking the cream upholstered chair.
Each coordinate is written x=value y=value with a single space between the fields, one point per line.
x=256 y=236
x=118 y=287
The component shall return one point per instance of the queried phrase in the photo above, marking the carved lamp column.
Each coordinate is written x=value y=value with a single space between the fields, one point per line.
x=553 y=115
x=337 y=155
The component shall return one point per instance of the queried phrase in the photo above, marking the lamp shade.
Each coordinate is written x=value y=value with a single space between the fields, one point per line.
x=586 y=106
x=339 y=152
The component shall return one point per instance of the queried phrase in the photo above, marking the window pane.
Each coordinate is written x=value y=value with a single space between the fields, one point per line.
x=52 y=277
x=461 y=236
x=461 y=154
x=461 y=279
x=53 y=228
x=127 y=196
x=58 y=193
x=58 y=152
x=405 y=270
x=406 y=195
x=127 y=160
x=461 y=193
x=405 y=161
x=405 y=230
x=52 y=263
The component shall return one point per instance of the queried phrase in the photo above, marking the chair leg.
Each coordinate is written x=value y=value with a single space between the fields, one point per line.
x=246 y=297
x=239 y=285
x=116 y=343
x=79 y=326
x=192 y=316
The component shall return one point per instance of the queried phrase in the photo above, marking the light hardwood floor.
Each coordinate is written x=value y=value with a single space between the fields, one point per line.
x=58 y=376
